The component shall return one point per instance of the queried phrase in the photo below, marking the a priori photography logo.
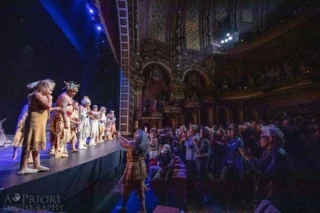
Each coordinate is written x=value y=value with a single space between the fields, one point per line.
x=32 y=202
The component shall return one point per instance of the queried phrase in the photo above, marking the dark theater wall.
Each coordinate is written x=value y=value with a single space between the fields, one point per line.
x=34 y=47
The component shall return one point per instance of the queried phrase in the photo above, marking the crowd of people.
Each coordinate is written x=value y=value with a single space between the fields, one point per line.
x=260 y=155
x=66 y=121
x=290 y=70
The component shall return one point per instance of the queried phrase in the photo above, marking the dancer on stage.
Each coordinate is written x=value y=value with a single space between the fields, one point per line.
x=85 y=127
x=74 y=126
x=34 y=140
x=108 y=130
x=102 y=124
x=135 y=173
x=113 y=119
x=60 y=125
x=94 y=121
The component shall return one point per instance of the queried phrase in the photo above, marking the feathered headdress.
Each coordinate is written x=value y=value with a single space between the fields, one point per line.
x=71 y=85
x=33 y=85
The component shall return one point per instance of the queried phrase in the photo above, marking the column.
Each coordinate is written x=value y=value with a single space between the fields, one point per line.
x=182 y=119
x=210 y=119
x=139 y=103
x=194 y=117
x=241 y=115
x=228 y=115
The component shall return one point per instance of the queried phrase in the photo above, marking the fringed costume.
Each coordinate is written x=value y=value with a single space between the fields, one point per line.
x=102 y=124
x=60 y=124
x=84 y=127
x=135 y=172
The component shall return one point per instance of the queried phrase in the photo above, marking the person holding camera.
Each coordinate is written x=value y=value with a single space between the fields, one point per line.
x=233 y=161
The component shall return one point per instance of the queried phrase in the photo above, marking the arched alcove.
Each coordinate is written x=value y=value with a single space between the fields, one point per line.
x=196 y=83
x=156 y=85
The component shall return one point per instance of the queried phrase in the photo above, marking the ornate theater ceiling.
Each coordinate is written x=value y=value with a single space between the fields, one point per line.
x=231 y=45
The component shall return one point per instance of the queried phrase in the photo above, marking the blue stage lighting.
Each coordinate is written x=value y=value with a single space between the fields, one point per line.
x=91 y=11
x=98 y=28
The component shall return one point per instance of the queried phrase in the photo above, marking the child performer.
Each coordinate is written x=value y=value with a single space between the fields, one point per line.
x=34 y=140
x=102 y=124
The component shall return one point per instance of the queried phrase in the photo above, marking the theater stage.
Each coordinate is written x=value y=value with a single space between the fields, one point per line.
x=68 y=177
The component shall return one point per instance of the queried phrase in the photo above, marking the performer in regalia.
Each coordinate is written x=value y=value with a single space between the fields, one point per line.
x=135 y=172
x=34 y=140
x=113 y=119
x=102 y=124
x=85 y=127
x=74 y=127
x=60 y=123
x=108 y=130
x=94 y=122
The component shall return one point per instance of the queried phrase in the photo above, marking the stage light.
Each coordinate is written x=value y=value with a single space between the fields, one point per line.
x=230 y=38
x=98 y=28
x=222 y=41
x=226 y=40
x=103 y=41
x=228 y=34
x=91 y=11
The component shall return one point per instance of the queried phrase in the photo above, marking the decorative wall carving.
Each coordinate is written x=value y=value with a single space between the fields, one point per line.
x=153 y=50
x=221 y=9
x=247 y=11
x=192 y=25
x=157 y=19
x=177 y=47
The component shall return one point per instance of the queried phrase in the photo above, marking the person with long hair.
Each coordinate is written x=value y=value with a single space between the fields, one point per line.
x=135 y=173
x=202 y=152
x=34 y=140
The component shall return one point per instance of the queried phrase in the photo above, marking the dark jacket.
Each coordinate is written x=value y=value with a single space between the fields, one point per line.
x=203 y=148
x=233 y=158
x=164 y=159
x=274 y=164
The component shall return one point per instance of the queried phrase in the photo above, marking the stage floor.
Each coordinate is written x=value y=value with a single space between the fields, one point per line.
x=9 y=168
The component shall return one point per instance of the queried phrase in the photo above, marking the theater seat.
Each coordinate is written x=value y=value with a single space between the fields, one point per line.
x=184 y=171
x=179 y=166
x=166 y=209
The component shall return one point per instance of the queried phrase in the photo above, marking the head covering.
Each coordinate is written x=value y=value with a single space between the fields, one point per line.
x=103 y=108
x=33 y=85
x=95 y=106
x=86 y=100
x=167 y=146
x=71 y=85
